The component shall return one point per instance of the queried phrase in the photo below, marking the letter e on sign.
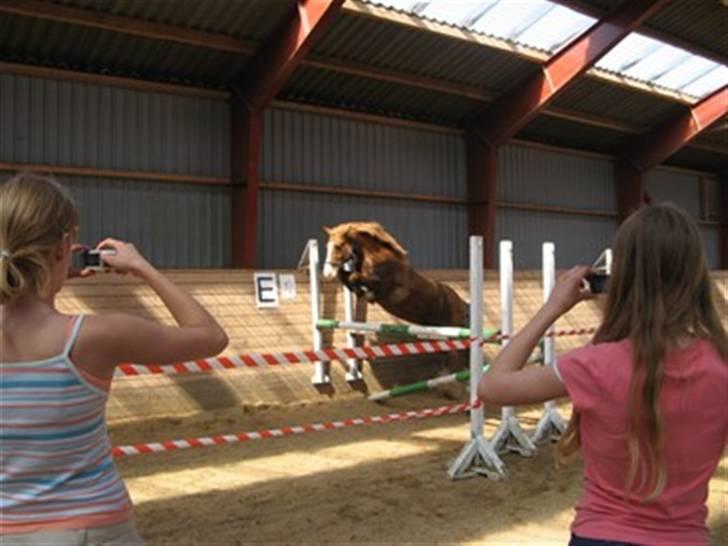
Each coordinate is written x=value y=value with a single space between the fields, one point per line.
x=266 y=290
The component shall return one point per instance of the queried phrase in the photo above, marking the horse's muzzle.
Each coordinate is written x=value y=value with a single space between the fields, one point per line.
x=330 y=271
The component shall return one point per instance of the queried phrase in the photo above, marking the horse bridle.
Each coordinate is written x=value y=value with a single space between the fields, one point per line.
x=353 y=262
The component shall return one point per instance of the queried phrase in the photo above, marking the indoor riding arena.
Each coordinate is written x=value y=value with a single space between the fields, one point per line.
x=487 y=145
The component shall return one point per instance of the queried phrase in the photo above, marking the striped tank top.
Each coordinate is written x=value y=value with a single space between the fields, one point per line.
x=56 y=468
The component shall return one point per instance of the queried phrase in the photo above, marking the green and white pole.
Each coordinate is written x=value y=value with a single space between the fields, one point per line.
x=429 y=384
x=421 y=386
x=446 y=332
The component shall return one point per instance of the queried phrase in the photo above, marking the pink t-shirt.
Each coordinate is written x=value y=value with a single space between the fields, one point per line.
x=694 y=401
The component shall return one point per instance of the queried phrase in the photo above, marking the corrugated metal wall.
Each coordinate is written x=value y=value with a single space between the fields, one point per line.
x=579 y=240
x=306 y=148
x=311 y=149
x=680 y=188
x=434 y=234
x=683 y=189
x=711 y=236
x=76 y=124
x=529 y=175
x=177 y=225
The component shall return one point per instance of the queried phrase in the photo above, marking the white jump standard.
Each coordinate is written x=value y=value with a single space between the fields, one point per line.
x=509 y=436
x=551 y=425
x=478 y=456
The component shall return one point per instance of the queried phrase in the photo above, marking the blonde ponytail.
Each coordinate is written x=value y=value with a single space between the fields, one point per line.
x=35 y=212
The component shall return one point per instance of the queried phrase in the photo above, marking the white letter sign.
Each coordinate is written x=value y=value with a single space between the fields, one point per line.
x=266 y=290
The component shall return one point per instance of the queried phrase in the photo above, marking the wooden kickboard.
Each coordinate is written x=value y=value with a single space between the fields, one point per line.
x=229 y=296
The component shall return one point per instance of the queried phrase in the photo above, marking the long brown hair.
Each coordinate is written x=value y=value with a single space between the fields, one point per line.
x=35 y=212
x=660 y=291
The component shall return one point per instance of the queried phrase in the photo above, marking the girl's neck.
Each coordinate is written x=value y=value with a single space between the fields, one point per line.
x=29 y=306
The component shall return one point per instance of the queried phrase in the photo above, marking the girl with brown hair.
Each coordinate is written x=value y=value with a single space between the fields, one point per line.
x=649 y=395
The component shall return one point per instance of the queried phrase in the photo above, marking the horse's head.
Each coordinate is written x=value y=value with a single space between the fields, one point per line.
x=348 y=243
x=341 y=250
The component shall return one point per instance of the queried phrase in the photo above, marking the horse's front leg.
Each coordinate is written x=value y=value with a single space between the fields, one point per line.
x=373 y=289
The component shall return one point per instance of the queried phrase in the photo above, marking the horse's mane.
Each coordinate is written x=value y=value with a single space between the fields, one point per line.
x=375 y=231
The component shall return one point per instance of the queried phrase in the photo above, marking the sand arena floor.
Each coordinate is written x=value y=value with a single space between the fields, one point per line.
x=377 y=484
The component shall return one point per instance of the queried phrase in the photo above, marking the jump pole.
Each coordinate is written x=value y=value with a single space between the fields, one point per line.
x=428 y=384
x=413 y=330
x=320 y=374
x=551 y=425
x=509 y=436
x=421 y=386
x=478 y=456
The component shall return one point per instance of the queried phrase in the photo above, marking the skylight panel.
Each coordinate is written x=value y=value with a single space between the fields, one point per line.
x=653 y=61
x=713 y=81
x=548 y=26
x=508 y=18
x=558 y=27
x=402 y=5
x=456 y=13
x=688 y=72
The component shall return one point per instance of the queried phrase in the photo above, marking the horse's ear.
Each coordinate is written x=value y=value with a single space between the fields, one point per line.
x=328 y=230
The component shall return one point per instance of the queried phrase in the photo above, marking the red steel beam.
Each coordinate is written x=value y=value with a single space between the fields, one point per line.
x=246 y=130
x=662 y=142
x=482 y=199
x=630 y=186
x=266 y=74
x=516 y=108
x=723 y=219
x=283 y=52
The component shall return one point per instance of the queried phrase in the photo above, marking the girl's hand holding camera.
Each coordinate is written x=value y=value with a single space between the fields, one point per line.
x=570 y=289
x=124 y=258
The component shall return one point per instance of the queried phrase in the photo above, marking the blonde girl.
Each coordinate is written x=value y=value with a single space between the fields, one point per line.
x=58 y=482
x=649 y=395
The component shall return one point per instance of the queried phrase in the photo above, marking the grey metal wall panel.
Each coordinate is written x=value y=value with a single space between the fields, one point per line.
x=537 y=176
x=306 y=148
x=175 y=225
x=579 y=240
x=69 y=123
x=435 y=235
x=682 y=189
x=711 y=238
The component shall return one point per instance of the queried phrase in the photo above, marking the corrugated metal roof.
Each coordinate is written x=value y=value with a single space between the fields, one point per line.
x=600 y=98
x=560 y=132
x=36 y=41
x=702 y=22
x=410 y=51
x=317 y=86
x=251 y=19
x=700 y=159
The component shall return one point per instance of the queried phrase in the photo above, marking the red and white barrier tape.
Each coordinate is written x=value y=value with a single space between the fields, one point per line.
x=222 y=439
x=266 y=360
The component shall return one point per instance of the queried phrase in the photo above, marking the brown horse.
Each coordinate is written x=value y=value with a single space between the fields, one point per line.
x=373 y=265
